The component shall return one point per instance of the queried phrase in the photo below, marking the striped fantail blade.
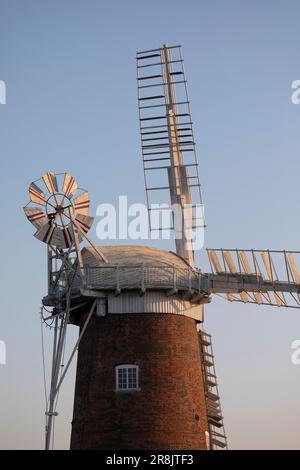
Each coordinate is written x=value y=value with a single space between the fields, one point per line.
x=84 y=222
x=36 y=194
x=50 y=182
x=36 y=216
x=68 y=235
x=82 y=204
x=52 y=235
x=69 y=186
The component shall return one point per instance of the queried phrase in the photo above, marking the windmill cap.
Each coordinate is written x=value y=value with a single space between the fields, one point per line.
x=132 y=255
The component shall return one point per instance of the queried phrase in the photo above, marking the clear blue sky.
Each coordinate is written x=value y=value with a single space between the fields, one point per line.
x=70 y=72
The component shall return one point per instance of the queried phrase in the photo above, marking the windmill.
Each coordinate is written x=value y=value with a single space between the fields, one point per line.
x=146 y=377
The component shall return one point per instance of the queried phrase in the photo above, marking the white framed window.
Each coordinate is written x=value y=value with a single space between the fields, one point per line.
x=127 y=377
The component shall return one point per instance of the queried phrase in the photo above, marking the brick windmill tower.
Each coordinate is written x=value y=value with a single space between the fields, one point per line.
x=145 y=373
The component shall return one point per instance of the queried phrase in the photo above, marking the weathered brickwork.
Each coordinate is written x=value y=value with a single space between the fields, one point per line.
x=169 y=410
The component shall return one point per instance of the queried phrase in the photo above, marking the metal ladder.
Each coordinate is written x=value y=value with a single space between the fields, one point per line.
x=217 y=434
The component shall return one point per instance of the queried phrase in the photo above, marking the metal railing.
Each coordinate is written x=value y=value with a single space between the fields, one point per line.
x=141 y=277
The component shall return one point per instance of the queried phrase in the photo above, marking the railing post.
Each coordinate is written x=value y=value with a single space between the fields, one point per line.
x=174 y=278
x=118 y=279
x=86 y=277
x=286 y=266
x=143 y=278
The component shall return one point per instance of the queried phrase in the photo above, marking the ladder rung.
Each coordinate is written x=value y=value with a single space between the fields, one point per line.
x=210 y=383
x=215 y=418
x=168 y=145
x=177 y=82
x=156 y=153
x=218 y=434
x=213 y=396
x=156 y=188
x=149 y=77
x=213 y=415
x=208 y=354
x=218 y=443
x=213 y=407
x=156 y=159
x=177 y=46
x=148 y=56
x=166 y=132
x=154 y=132
x=156 y=138
x=152 y=118
x=208 y=363
x=189 y=123
x=203 y=333
x=211 y=375
x=215 y=423
x=160 y=63
x=152 y=106
x=160 y=153
x=155 y=97
x=148 y=51
x=168 y=166
x=155 y=146
x=206 y=343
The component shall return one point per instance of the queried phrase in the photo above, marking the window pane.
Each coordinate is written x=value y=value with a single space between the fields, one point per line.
x=122 y=378
x=132 y=377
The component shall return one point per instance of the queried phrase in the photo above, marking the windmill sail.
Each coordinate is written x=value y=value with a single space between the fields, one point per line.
x=168 y=144
x=255 y=276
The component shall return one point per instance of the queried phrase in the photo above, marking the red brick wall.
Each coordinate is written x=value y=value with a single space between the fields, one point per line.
x=169 y=410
